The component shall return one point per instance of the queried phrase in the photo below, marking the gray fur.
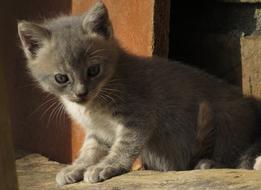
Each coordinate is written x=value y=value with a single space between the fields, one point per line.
x=135 y=106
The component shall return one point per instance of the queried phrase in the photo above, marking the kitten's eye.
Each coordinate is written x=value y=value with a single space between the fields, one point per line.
x=93 y=70
x=61 y=79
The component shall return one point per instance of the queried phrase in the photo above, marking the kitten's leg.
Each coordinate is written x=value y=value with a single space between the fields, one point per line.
x=207 y=164
x=125 y=150
x=251 y=158
x=205 y=137
x=91 y=153
x=257 y=165
x=206 y=129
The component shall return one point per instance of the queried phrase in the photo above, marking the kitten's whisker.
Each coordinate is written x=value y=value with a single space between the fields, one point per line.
x=52 y=114
x=111 y=89
x=96 y=51
x=45 y=112
x=104 y=93
x=64 y=118
x=119 y=97
x=42 y=105
x=57 y=113
x=97 y=58
x=51 y=108
x=114 y=92
x=102 y=98
x=55 y=116
x=60 y=113
x=99 y=98
x=114 y=81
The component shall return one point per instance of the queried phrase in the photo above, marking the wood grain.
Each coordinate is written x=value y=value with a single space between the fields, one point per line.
x=7 y=167
x=36 y=172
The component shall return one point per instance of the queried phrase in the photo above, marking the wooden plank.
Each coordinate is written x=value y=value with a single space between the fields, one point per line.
x=161 y=28
x=240 y=1
x=7 y=167
x=8 y=180
x=40 y=172
x=250 y=60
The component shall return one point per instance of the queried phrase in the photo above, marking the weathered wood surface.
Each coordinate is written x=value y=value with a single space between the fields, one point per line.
x=251 y=65
x=36 y=172
x=240 y=1
x=7 y=169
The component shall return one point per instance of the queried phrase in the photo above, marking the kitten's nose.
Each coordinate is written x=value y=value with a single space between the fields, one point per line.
x=80 y=91
x=81 y=94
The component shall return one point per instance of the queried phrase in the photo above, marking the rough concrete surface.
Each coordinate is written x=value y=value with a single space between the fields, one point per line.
x=37 y=172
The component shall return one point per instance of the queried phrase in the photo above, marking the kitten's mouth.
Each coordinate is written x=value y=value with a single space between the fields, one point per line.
x=79 y=100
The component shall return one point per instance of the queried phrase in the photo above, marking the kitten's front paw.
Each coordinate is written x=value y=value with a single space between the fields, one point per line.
x=257 y=164
x=97 y=173
x=207 y=164
x=70 y=174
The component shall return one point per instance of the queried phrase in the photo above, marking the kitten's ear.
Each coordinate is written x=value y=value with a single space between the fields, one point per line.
x=96 y=21
x=32 y=37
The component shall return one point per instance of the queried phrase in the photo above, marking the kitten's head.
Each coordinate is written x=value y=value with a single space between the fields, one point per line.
x=71 y=57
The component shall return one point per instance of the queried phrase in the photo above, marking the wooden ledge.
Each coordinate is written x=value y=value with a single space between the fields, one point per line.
x=37 y=172
x=240 y=1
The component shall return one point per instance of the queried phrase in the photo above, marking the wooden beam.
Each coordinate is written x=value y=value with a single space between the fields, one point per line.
x=8 y=179
x=250 y=60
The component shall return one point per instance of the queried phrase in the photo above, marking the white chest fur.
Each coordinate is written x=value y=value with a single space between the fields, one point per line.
x=103 y=124
x=78 y=113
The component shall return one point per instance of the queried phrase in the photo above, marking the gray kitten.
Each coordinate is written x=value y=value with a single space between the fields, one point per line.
x=172 y=115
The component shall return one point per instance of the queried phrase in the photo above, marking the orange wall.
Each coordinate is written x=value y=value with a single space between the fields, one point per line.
x=132 y=22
